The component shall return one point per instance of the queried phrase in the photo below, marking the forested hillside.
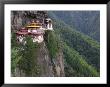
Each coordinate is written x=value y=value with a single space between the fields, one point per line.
x=70 y=50
x=78 y=47
x=87 y=22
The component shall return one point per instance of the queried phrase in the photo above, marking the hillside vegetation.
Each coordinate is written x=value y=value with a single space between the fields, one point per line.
x=87 y=22
x=66 y=51
x=81 y=52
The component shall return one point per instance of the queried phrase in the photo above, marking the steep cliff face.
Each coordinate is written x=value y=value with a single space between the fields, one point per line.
x=59 y=65
x=44 y=60
x=46 y=65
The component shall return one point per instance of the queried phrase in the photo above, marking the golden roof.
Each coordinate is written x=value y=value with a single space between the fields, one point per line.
x=34 y=25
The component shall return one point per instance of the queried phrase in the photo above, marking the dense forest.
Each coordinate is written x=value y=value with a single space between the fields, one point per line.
x=73 y=46
x=87 y=22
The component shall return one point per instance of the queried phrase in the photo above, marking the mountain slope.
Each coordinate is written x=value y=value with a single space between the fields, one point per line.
x=87 y=22
x=87 y=49
x=77 y=64
x=64 y=52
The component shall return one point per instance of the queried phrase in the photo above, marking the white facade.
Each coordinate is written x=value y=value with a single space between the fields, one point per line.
x=29 y=30
x=49 y=27
x=37 y=31
x=38 y=39
x=21 y=39
x=34 y=31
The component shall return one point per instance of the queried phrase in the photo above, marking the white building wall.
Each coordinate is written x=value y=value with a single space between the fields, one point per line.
x=49 y=27
x=29 y=30
x=38 y=39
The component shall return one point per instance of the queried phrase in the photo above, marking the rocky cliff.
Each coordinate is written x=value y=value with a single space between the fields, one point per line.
x=48 y=68
x=46 y=65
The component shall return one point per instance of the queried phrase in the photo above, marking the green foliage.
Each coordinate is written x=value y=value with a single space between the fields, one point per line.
x=23 y=56
x=87 y=47
x=52 y=43
x=27 y=64
x=15 y=58
x=87 y=22
x=13 y=40
x=81 y=53
x=79 y=66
